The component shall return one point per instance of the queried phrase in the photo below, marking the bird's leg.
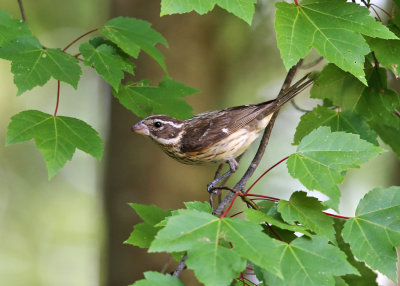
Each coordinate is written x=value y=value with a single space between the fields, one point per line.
x=233 y=166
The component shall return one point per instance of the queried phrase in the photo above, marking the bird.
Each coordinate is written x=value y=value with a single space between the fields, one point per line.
x=215 y=136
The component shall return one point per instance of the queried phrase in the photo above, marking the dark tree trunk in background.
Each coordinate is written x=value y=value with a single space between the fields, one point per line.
x=136 y=170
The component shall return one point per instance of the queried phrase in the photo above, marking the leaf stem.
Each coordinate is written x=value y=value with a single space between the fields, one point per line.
x=80 y=37
x=230 y=205
x=58 y=98
x=338 y=216
x=264 y=197
x=295 y=2
x=397 y=112
x=21 y=9
x=263 y=174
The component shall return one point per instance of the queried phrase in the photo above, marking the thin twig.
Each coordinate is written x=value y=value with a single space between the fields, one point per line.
x=383 y=10
x=80 y=37
x=58 y=98
x=261 y=149
x=397 y=112
x=181 y=266
x=21 y=8
x=167 y=264
x=312 y=64
x=294 y=104
x=375 y=60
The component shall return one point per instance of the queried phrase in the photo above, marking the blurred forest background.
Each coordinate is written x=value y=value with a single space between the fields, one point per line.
x=70 y=230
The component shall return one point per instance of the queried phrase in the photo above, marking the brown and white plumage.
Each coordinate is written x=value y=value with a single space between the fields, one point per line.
x=214 y=136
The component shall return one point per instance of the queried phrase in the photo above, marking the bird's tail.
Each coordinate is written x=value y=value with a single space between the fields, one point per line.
x=291 y=92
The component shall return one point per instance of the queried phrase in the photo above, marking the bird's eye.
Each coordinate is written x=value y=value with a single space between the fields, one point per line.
x=157 y=124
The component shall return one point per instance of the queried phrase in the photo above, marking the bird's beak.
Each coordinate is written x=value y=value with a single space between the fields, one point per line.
x=141 y=128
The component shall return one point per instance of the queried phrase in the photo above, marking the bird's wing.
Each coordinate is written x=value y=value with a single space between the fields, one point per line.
x=207 y=128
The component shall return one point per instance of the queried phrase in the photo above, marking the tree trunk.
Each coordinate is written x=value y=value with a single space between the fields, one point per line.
x=136 y=170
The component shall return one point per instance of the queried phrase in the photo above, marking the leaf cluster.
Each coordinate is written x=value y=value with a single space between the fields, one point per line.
x=32 y=64
x=285 y=242
x=320 y=252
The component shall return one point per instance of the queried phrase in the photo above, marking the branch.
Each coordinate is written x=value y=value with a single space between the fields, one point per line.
x=181 y=266
x=254 y=164
x=263 y=145
x=80 y=37
x=312 y=64
x=21 y=8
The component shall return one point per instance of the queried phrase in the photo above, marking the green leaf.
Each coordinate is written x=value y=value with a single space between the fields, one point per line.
x=11 y=28
x=133 y=35
x=374 y=232
x=338 y=121
x=309 y=262
x=377 y=102
x=322 y=156
x=387 y=52
x=107 y=59
x=307 y=211
x=56 y=137
x=215 y=266
x=150 y=214
x=157 y=279
x=389 y=135
x=143 y=233
x=339 y=281
x=33 y=66
x=367 y=277
x=244 y=9
x=162 y=99
x=260 y=217
x=340 y=87
x=192 y=231
x=333 y=28
x=199 y=206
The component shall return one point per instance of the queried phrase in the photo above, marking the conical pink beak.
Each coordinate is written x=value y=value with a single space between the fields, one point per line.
x=141 y=128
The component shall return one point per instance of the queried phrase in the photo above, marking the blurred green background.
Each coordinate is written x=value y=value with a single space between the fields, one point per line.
x=70 y=230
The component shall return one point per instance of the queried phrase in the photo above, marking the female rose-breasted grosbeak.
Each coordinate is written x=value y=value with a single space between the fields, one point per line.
x=214 y=136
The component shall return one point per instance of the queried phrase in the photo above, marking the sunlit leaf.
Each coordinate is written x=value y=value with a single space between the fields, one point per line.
x=322 y=156
x=374 y=233
x=166 y=98
x=333 y=27
x=32 y=65
x=56 y=137
x=133 y=35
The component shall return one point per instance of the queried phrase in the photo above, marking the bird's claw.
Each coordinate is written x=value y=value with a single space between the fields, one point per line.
x=211 y=188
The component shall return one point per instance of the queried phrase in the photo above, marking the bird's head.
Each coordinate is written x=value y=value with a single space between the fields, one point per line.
x=163 y=129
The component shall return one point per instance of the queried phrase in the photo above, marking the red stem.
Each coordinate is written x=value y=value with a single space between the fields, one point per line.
x=338 y=216
x=80 y=37
x=238 y=213
x=263 y=197
x=265 y=174
x=230 y=205
x=58 y=98
x=295 y=2
x=397 y=112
